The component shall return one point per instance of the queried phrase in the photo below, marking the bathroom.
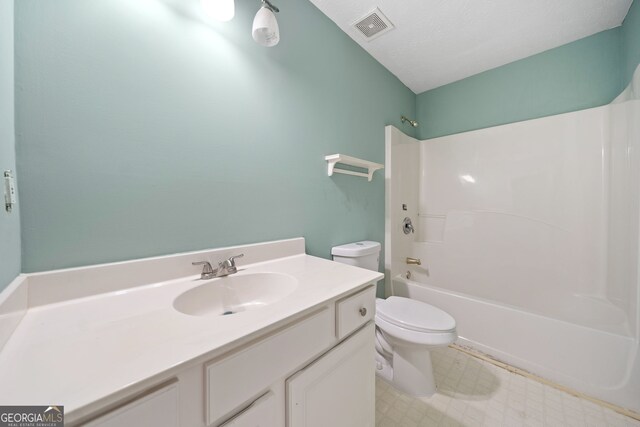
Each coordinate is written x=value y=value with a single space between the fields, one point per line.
x=139 y=137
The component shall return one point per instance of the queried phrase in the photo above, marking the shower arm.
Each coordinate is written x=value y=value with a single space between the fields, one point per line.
x=411 y=122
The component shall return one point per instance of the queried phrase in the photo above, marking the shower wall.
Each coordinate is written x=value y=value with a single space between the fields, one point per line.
x=518 y=214
x=537 y=215
x=623 y=167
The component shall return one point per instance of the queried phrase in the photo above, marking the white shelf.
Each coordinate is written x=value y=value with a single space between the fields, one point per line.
x=351 y=161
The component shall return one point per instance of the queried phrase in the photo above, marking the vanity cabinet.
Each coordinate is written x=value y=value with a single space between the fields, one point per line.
x=320 y=370
x=317 y=370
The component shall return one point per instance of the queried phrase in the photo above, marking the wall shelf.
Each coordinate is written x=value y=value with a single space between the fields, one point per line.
x=333 y=159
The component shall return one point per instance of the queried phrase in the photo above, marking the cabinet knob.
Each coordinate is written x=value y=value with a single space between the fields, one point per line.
x=363 y=312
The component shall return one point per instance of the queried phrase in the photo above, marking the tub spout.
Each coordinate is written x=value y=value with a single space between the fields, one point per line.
x=413 y=261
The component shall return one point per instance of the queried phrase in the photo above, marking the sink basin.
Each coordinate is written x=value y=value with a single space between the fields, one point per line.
x=235 y=294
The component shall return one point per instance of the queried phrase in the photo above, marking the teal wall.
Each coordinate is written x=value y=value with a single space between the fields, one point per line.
x=9 y=222
x=141 y=131
x=578 y=75
x=631 y=41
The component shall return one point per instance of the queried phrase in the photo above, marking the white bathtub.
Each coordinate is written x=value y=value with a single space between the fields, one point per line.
x=595 y=362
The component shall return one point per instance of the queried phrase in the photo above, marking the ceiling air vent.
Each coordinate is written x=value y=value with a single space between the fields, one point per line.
x=373 y=24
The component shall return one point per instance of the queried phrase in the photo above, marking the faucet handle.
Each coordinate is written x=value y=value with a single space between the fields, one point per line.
x=232 y=259
x=230 y=263
x=207 y=266
x=207 y=270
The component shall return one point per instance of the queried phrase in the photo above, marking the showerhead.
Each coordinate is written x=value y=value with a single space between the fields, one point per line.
x=411 y=122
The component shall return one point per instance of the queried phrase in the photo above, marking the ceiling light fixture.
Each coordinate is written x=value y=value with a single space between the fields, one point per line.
x=265 y=26
x=220 y=10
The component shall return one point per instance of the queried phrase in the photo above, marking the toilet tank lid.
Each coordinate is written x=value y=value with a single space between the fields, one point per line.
x=356 y=249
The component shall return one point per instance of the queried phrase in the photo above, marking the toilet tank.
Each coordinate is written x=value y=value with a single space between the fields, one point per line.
x=364 y=254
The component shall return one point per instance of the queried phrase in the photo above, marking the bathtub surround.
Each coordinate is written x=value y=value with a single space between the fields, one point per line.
x=586 y=73
x=149 y=132
x=9 y=222
x=544 y=216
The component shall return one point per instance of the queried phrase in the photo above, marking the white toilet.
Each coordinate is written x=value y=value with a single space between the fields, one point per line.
x=406 y=329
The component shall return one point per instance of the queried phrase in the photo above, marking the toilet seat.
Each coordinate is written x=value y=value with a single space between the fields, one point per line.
x=414 y=315
x=401 y=336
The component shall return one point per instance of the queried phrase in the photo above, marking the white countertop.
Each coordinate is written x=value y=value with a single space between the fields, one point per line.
x=85 y=351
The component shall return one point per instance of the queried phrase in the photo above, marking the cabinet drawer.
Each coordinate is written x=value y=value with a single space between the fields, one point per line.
x=261 y=413
x=354 y=311
x=158 y=408
x=235 y=379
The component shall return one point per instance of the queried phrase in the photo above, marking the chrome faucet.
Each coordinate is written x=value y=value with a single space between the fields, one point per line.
x=228 y=266
x=225 y=268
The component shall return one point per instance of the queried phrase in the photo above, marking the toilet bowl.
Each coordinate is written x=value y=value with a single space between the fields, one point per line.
x=406 y=331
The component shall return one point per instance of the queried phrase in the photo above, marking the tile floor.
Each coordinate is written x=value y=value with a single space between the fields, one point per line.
x=472 y=392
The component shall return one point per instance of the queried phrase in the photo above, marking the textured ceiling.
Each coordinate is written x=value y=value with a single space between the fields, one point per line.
x=436 y=42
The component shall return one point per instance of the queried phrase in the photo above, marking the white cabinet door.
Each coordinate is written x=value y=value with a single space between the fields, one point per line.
x=157 y=409
x=337 y=390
